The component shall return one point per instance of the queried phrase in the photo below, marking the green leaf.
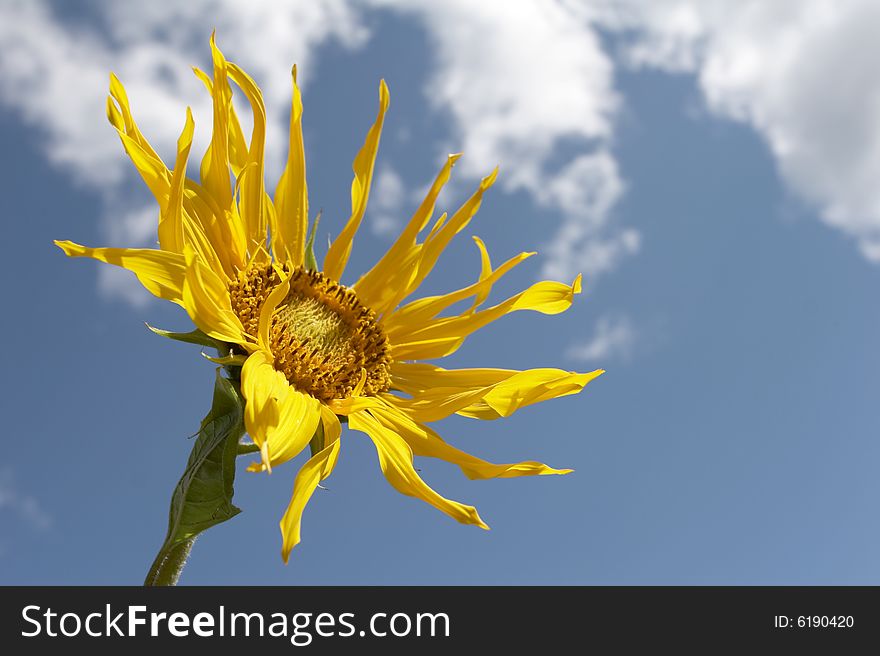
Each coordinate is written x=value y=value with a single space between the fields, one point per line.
x=193 y=337
x=203 y=496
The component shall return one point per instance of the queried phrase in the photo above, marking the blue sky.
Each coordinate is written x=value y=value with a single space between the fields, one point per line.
x=716 y=186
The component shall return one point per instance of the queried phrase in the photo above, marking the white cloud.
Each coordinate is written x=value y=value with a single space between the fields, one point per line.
x=124 y=226
x=518 y=80
x=575 y=249
x=116 y=283
x=588 y=186
x=25 y=506
x=614 y=338
x=386 y=202
x=585 y=190
x=55 y=75
x=802 y=73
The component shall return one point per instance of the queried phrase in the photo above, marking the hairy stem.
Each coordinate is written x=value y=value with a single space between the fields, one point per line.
x=169 y=564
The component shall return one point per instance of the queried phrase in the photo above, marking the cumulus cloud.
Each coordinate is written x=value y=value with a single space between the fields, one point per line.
x=26 y=507
x=386 y=202
x=54 y=73
x=575 y=244
x=802 y=73
x=586 y=190
x=613 y=338
x=526 y=85
x=519 y=80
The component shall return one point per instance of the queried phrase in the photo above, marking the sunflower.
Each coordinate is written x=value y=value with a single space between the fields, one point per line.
x=311 y=352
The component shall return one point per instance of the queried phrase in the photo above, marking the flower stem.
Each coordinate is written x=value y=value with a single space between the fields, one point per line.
x=203 y=496
x=169 y=564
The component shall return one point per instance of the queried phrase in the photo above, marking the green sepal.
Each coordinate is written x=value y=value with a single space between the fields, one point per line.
x=232 y=360
x=316 y=444
x=245 y=448
x=203 y=496
x=193 y=337
x=311 y=263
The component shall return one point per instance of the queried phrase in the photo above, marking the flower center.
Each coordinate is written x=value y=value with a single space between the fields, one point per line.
x=321 y=336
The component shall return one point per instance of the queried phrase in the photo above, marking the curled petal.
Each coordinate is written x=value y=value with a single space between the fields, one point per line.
x=171 y=219
x=206 y=299
x=396 y=461
x=425 y=442
x=318 y=467
x=161 y=272
x=340 y=249
x=480 y=393
x=280 y=419
x=440 y=337
x=381 y=287
x=291 y=195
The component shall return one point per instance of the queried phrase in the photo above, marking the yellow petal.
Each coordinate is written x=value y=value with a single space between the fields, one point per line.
x=206 y=299
x=225 y=234
x=253 y=194
x=396 y=461
x=438 y=224
x=445 y=231
x=379 y=287
x=420 y=312
x=480 y=393
x=340 y=249
x=215 y=164
x=413 y=264
x=300 y=414
x=486 y=272
x=437 y=403
x=194 y=237
x=114 y=115
x=161 y=272
x=153 y=172
x=280 y=419
x=425 y=442
x=262 y=387
x=419 y=377
x=176 y=195
x=318 y=467
x=235 y=144
x=123 y=120
x=527 y=388
x=145 y=159
x=291 y=195
x=440 y=345
x=171 y=219
x=332 y=427
x=352 y=404
x=278 y=294
x=227 y=150
x=440 y=337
